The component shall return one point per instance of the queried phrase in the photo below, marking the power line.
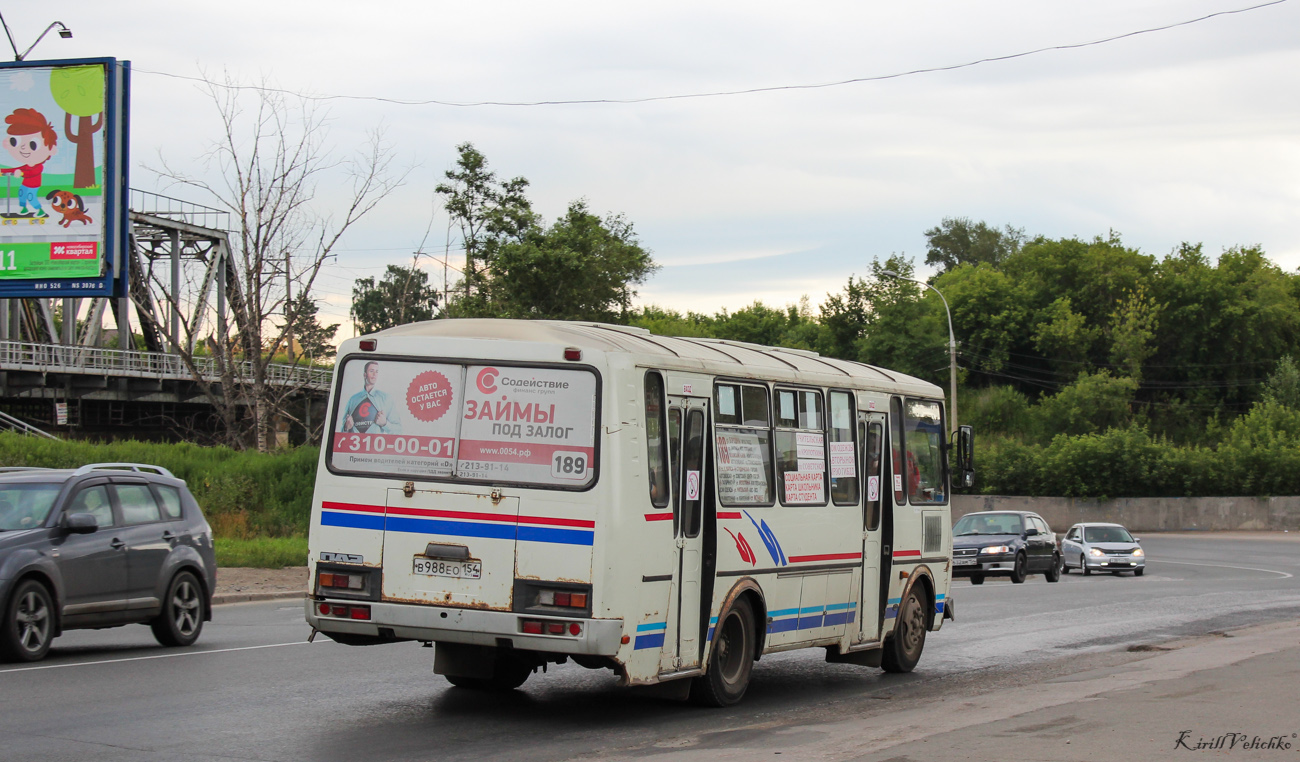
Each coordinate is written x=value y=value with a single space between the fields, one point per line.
x=718 y=93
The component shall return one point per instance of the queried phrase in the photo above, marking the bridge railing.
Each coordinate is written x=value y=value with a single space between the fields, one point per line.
x=56 y=358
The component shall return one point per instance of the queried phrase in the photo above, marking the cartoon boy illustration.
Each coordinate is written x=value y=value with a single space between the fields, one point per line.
x=370 y=410
x=31 y=141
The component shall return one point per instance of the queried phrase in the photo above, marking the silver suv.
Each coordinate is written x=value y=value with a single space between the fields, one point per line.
x=104 y=545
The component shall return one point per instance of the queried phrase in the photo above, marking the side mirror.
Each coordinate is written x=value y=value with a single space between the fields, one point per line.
x=1031 y=532
x=1138 y=540
x=79 y=523
x=965 y=446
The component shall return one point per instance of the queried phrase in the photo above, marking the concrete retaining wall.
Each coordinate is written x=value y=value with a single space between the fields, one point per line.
x=1148 y=514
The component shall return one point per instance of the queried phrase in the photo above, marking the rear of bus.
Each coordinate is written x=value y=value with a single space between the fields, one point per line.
x=456 y=502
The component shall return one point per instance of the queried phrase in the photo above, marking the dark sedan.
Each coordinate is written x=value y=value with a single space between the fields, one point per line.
x=1004 y=543
x=105 y=545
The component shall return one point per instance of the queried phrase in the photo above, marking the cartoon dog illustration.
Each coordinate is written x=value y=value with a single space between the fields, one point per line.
x=70 y=206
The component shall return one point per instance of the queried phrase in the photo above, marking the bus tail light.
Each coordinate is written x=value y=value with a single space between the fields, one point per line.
x=562 y=598
x=549 y=627
x=343 y=611
x=342 y=581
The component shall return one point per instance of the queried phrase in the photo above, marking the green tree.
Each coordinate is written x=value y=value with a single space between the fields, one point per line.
x=402 y=296
x=1283 y=386
x=316 y=340
x=79 y=90
x=958 y=241
x=488 y=212
x=1094 y=403
x=580 y=268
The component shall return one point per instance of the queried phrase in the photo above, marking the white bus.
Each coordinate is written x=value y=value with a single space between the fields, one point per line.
x=529 y=492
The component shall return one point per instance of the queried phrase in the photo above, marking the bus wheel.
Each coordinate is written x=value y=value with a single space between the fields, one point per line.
x=732 y=659
x=903 y=648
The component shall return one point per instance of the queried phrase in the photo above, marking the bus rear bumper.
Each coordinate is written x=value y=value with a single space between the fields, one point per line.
x=405 y=621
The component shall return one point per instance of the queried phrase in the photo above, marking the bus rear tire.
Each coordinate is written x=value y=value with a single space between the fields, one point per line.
x=903 y=648
x=731 y=661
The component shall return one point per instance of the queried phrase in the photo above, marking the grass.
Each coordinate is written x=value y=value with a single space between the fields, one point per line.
x=262 y=552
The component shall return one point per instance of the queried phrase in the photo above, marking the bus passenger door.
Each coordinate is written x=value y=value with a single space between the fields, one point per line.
x=684 y=640
x=871 y=433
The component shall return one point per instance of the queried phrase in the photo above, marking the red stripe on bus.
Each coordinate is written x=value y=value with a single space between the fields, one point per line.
x=826 y=557
x=728 y=514
x=906 y=553
x=400 y=511
x=351 y=507
x=658 y=516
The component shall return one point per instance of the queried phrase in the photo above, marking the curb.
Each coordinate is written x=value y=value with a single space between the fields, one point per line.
x=224 y=598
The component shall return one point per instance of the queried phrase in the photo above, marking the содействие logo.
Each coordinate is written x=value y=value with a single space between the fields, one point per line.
x=487 y=380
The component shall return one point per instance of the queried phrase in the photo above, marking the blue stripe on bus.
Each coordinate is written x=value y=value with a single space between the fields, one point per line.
x=809 y=622
x=352 y=520
x=842 y=618
x=938 y=607
x=782 y=612
x=939 y=596
x=556 y=536
x=894 y=600
x=649 y=641
x=652 y=627
x=550 y=535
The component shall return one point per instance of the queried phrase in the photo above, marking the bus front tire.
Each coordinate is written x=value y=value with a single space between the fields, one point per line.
x=903 y=648
x=731 y=661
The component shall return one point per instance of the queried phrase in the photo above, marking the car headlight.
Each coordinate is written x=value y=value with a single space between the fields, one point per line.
x=995 y=549
x=1138 y=552
x=1096 y=552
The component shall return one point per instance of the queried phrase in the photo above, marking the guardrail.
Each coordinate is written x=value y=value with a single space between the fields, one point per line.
x=58 y=358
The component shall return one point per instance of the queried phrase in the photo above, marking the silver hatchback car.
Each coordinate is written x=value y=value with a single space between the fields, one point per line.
x=1095 y=546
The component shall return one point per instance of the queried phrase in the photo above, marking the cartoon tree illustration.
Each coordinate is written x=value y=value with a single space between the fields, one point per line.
x=79 y=90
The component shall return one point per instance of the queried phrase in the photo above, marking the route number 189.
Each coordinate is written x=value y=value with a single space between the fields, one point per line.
x=569 y=465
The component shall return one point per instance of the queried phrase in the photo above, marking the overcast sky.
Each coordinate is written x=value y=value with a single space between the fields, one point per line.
x=1188 y=134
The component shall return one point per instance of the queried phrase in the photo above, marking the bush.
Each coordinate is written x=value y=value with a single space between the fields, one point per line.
x=243 y=494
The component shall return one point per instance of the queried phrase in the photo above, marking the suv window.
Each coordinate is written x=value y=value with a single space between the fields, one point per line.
x=93 y=500
x=171 y=500
x=137 y=504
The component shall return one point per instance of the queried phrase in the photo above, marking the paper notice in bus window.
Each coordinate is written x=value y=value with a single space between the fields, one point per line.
x=812 y=465
x=742 y=470
x=873 y=488
x=843 y=460
x=397 y=418
x=898 y=482
x=692 y=485
x=530 y=425
x=804 y=487
x=809 y=445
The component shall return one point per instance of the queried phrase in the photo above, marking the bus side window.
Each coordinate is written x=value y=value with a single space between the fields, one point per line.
x=896 y=446
x=675 y=447
x=692 y=460
x=656 y=442
x=844 y=487
x=875 y=439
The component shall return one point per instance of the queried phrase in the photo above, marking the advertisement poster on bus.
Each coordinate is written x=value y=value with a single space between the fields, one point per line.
x=397 y=417
x=59 y=197
x=533 y=425
x=494 y=423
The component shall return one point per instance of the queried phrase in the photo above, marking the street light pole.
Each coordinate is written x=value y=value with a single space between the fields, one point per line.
x=64 y=32
x=952 y=348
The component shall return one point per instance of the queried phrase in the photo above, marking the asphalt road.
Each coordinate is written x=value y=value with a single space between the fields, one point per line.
x=253 y=689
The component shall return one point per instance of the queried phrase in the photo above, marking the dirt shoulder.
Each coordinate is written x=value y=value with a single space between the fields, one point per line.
x=235 y=584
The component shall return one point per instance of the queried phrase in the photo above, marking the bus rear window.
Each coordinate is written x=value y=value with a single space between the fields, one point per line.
x=492 y=423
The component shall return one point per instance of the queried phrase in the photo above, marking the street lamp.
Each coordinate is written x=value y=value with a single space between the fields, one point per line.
x=64 y=32
x=952 y=347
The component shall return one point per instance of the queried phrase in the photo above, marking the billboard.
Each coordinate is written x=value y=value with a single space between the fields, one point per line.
x=64 y=219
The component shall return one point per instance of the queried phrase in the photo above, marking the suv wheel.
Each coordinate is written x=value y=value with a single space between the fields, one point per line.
x=28 y=623
x=181 y=619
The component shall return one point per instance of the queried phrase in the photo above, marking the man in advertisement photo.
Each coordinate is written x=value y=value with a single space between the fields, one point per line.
x=370 y=411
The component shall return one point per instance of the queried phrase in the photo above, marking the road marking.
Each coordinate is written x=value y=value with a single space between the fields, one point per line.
x=1285 y=575
x=158 y=656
